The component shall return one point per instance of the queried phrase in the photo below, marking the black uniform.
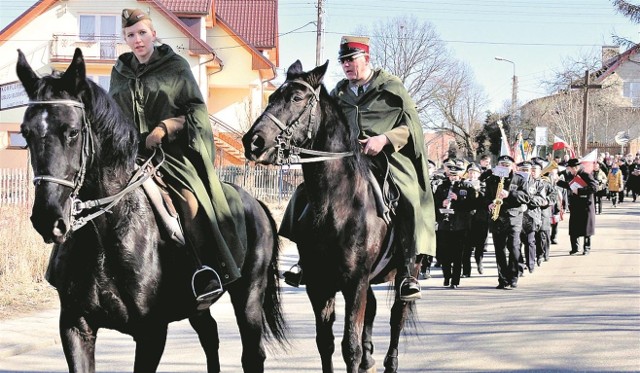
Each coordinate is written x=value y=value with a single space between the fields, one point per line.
x=531 y=223
x=478 y=232
x=582 y=219
x=453 y=228
x=543 y=236
x=506 y=229
x=427 y=260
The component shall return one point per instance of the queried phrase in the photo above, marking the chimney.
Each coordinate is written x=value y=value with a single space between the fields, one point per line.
x=609 y=52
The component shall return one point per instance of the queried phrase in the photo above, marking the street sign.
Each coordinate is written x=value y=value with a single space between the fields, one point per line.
x=12 y=95
x=541 y=136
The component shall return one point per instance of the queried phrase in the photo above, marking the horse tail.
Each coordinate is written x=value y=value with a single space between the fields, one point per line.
x=272 y=314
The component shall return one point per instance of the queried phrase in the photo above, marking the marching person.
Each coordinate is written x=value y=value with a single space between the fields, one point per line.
x=454 y=201
x=615 y=183
x=155 y=87
x=436 y=178
x=532 y=216
x=601 y=178
x=479 y=224
x=378 y=107
x=580 y=187
x=549 y=192
x=506 y=193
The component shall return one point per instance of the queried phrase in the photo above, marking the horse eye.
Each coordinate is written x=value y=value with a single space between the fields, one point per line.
x=297 y=98
x=73 y=134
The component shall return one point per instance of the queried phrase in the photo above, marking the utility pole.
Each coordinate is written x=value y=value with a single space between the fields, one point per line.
x=319 y=34
x=585 y=107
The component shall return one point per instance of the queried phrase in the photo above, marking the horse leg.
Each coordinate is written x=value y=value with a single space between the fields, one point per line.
x=399 y=313
x=207 y=329
x=247 y=305
x=150 y=342
x=78 y=343
x=323 y=302
x=367 y=333
x=355 y=307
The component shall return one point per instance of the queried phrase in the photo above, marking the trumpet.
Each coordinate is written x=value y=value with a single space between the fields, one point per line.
x=497 y=202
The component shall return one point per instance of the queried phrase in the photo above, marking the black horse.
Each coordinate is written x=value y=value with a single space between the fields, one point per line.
x=117 y=271
x=342 y=249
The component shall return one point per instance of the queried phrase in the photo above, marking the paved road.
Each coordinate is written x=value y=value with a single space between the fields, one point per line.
x=573 y=314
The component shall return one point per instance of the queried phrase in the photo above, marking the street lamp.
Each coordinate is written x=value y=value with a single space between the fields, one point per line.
x=514 y=86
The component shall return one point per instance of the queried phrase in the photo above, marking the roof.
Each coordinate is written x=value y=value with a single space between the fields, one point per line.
x=612 y=64
x=184 y=7
x=255 y=20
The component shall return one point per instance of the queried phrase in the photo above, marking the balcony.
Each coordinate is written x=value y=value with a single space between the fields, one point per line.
x=95 y=48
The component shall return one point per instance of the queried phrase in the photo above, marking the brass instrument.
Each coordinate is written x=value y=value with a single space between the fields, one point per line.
x=552 y=165
x=497 y=202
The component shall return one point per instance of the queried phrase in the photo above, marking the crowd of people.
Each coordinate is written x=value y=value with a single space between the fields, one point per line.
x=521 y=205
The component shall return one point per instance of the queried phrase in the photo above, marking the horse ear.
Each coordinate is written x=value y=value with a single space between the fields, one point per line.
x=295 y=68
x=27 y=76
x=316 y=75
x=76 y=73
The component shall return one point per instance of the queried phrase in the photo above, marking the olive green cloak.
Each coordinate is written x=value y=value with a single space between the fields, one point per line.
x=165 y=88
x=386 y=108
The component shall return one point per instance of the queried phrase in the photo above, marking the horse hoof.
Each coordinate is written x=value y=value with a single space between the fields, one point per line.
x=370 y=370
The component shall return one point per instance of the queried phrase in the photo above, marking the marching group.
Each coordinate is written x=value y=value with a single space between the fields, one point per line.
x=521 y=205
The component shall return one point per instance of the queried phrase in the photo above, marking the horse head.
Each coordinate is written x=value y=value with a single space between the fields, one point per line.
x=291 y=118
x=57 y=136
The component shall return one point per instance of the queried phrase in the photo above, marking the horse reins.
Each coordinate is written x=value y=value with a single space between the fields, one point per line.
x=283 y=140
x=88 y=150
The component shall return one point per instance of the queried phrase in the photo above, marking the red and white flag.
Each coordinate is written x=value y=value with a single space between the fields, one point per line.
x=588 y=161
x=559 y=144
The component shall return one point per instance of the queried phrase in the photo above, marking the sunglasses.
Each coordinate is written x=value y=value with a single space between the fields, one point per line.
x=342 y=60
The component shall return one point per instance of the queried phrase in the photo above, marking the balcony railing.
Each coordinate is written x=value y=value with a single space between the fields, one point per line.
x=94 y=47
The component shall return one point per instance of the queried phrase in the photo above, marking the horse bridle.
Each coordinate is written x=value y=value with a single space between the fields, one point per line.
x=88 y=151
x=287 y=152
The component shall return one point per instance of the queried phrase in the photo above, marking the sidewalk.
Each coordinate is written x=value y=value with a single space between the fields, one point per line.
x=574 y=313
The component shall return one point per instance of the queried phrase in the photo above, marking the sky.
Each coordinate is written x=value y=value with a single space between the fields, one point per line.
x=537 y=35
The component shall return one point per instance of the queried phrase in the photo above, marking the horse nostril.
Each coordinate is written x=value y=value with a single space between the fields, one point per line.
x=59 y=228
x=257 y=142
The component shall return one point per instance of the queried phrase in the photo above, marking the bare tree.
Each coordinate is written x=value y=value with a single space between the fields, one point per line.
x=446 y=96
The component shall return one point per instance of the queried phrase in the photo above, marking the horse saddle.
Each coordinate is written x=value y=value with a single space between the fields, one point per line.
x=163 y=208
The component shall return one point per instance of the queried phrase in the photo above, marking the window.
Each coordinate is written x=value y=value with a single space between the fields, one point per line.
x=100 y=29
x=103 y=81
x=631 y=89
x=16 y=140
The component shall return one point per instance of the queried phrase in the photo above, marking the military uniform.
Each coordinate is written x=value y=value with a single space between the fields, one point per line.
x=506 y=229
x=453 y=228
x=531 y=222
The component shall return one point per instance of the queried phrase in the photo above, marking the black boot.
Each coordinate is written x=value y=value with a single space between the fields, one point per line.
x=408 y=288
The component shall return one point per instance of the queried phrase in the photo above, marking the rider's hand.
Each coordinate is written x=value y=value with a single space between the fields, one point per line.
x=154 y=139
x=374 y=145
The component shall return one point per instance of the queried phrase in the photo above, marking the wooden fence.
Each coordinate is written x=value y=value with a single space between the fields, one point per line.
x=15 y=186
x=269 y=184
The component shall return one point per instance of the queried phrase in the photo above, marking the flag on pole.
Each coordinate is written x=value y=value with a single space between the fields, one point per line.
x=559 y=144
x=518 y=149
x=504 y=144
x=588 y=160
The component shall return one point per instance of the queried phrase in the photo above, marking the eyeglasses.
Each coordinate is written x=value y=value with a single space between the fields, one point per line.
x=342 y=60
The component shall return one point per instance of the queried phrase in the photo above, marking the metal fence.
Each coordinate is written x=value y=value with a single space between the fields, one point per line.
x=269 y=184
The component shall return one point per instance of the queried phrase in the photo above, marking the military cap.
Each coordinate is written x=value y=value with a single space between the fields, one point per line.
x=454 y=169
x=473 y=167
x=506 y=158
x=132 y=16
x=353 y=45
x=525 y=164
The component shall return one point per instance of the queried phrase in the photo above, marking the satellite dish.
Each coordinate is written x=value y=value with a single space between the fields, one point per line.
x=622 y=138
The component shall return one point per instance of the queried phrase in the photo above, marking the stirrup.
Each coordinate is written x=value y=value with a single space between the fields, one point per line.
x=293 y=277
x=209 y=293
x=409 y=297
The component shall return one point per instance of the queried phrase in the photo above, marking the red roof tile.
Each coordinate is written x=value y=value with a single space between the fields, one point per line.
x=254 y=20
x=180 y=7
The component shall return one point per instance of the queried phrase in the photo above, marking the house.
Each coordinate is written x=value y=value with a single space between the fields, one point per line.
x=231 y=45
x=613 y=103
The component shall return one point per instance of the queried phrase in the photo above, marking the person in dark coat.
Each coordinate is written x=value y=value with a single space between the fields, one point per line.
x=454 y=201
x=479 y=224
x=581 y=187
x=506 y=193
x=633 y=182
x=532 y=216
x=549 y=192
